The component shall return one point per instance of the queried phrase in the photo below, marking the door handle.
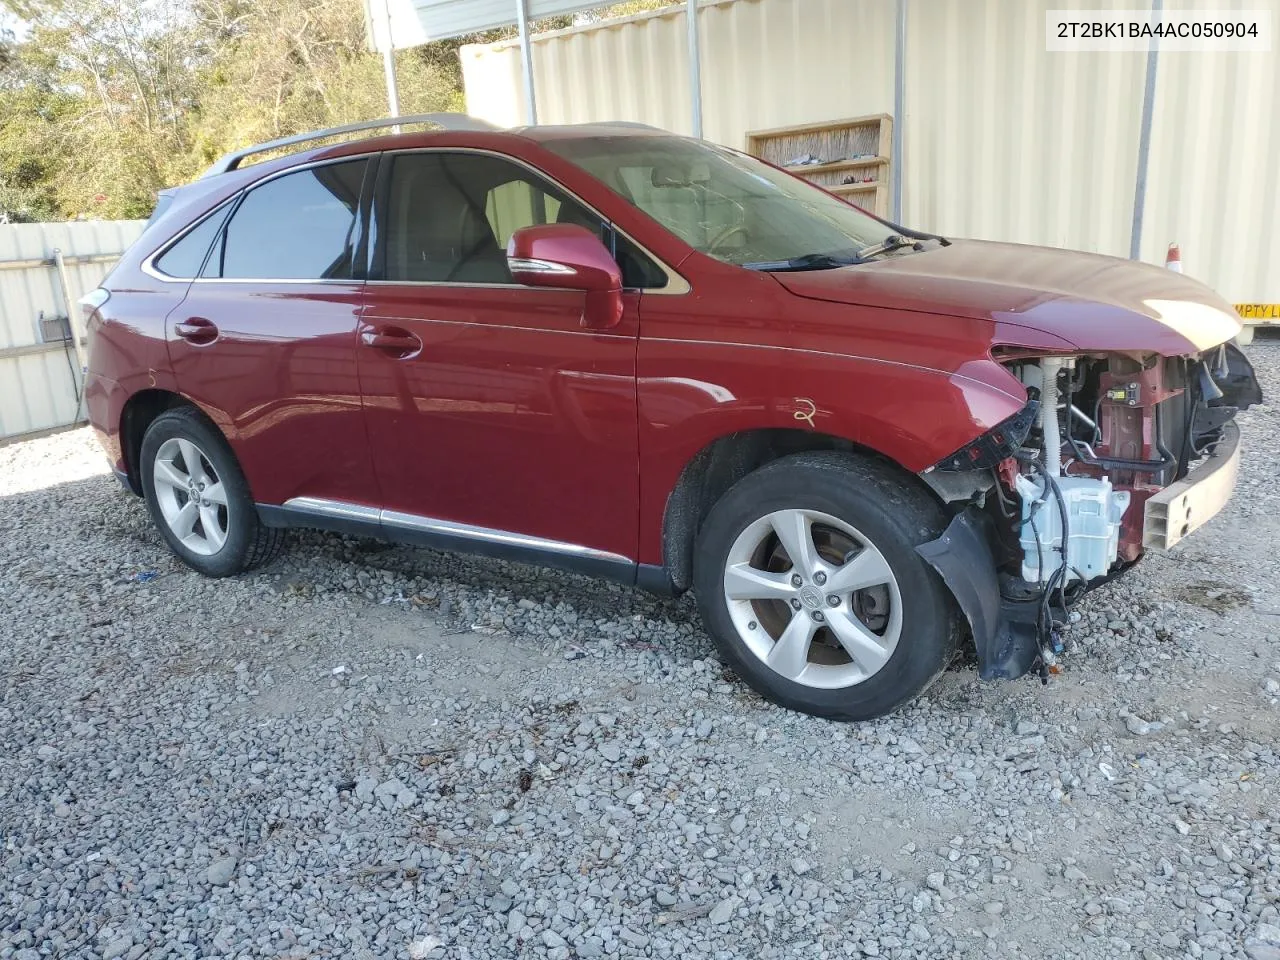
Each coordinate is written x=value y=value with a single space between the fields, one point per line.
x=196 y=330
x=399 y=342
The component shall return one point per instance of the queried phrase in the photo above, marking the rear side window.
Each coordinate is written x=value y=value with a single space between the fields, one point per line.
x=184 y=259
x=300 y=226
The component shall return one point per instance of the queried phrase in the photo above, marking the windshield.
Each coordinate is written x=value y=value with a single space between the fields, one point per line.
x=726 y=204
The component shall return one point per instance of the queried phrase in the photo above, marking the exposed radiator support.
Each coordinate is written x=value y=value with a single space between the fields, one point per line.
x=1049 y=426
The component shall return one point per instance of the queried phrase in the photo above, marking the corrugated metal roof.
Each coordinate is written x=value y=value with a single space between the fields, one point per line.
x=415 y=22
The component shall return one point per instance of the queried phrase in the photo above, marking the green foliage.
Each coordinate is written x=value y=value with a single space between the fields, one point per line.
x=103 y=102
x=628 y=8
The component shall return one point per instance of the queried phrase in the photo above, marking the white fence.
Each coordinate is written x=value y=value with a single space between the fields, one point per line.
x=1002 y=140
x=40 y=379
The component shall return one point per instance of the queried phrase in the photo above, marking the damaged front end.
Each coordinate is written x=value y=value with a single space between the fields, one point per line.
x=1113 y=454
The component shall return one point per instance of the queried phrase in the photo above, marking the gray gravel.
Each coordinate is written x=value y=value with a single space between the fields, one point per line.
x=368 y=751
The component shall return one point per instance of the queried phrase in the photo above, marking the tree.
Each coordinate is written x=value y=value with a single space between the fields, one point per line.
x=99 y=92
x=627 y=8
x=103 y=102
x=285 y=66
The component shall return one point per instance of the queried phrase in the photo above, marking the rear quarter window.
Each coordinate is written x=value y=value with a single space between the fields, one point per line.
x=184 y=259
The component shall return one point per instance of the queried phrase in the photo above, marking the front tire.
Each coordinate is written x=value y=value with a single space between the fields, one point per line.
x=807 y=578
x=199 y=499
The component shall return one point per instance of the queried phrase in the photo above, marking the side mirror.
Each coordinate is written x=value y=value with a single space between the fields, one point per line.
x=569 y=257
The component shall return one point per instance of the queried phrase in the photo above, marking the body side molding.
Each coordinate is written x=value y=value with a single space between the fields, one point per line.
x=362 y=520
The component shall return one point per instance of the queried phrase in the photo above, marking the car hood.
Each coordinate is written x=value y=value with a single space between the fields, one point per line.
x=1090 y=301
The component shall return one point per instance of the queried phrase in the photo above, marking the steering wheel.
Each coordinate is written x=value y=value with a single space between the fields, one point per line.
x=725 y=234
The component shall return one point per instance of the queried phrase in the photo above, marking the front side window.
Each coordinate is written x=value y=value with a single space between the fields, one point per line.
x=518 y=203
x=450 y=216
x=300 y=226
x=724 y=203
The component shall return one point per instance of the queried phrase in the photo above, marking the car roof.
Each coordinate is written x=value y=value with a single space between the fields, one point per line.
x=585 y=131
x=470 y=133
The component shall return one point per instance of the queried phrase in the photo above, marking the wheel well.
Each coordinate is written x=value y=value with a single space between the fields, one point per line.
x=140 y=410
x=721 y=464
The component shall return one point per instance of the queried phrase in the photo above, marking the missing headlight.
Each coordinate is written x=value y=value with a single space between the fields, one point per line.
x=999 y=443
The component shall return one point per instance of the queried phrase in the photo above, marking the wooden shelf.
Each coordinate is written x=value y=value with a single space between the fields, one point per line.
x=867 y=142
x=836 y=165
x=823 y=126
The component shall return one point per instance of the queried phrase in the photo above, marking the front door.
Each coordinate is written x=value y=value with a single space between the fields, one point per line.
x=493 y=415
x=265 y=341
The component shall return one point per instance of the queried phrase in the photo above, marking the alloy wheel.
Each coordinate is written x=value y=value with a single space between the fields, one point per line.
x=191 y=496
x=813 y=598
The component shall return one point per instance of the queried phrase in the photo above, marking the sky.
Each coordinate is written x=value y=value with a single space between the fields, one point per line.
x=10 y=23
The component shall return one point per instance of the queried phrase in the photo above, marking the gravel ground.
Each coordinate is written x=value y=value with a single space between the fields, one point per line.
x=370 y=751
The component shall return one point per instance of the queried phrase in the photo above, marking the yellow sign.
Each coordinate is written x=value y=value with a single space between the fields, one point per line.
x=1259 y=312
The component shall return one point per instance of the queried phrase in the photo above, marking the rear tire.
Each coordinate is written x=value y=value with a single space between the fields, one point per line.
x=199 y=499
x=861 y=624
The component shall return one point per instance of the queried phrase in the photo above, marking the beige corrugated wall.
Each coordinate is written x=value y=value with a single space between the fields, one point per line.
x=1215 y=171
x=1003 y=140
x=37 y=387
x=1006 y=141
x=765 y=63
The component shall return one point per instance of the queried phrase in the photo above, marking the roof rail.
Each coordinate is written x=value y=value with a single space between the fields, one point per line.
x=636 y=124
x=448 y=121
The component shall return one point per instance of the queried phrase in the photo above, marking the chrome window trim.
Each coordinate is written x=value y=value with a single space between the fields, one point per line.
x=413 y=521
x=447 y=121
x=148 y=264
x=676 y=286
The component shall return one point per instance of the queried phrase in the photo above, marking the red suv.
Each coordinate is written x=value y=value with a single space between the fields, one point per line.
x=658 y=360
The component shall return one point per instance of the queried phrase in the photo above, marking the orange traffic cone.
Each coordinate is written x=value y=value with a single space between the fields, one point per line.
x=1173 y=260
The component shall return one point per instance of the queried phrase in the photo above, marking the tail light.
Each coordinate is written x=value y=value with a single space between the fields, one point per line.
x=91 y=302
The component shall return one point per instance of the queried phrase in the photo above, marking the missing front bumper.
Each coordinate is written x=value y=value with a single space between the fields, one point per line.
x=1004 y=631
x=1185 y=506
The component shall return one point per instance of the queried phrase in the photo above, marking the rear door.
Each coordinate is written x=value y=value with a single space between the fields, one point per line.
x=265 y=339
